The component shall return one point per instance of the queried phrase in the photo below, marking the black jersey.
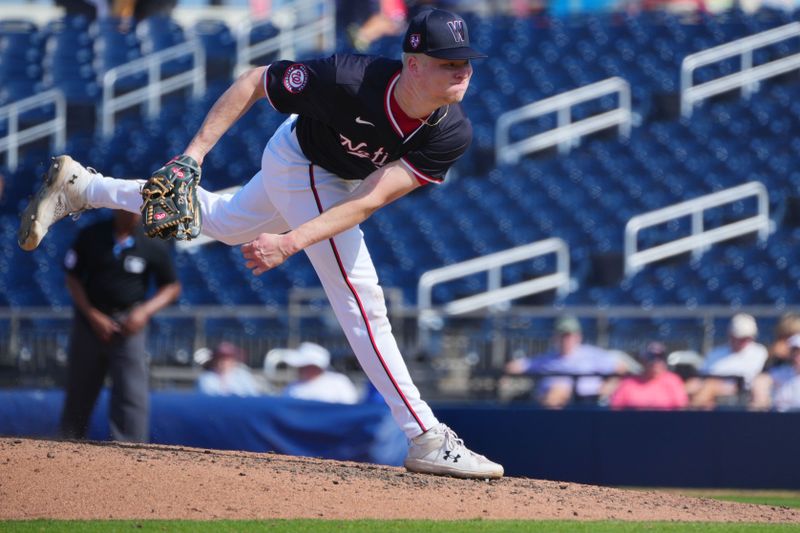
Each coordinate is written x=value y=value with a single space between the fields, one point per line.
x=117 y=276
x=345 y=123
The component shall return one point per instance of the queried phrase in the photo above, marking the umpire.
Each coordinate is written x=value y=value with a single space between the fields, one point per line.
x=108 y=273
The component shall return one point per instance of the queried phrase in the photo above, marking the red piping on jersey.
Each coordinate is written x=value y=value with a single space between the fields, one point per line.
x=361 y=308
x=418 y=173
x=421 y=177
x=387 y=107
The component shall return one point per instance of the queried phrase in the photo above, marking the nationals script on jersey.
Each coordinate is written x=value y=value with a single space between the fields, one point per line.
x=347 y=125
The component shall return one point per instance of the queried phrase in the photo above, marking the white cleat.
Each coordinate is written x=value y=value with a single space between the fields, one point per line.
x=63 y=193
x=440 y=451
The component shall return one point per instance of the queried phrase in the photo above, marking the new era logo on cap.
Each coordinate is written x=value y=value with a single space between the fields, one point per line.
x=439 y=34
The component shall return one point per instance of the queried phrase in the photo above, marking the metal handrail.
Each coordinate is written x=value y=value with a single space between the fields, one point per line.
x=748 y=76
x=55 y=127
x=566 y=132
x=323 y=27
x=156 y=86
x=492 y=264
x=700 y=238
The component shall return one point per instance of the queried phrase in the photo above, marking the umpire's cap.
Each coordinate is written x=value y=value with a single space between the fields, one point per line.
x=439 y=34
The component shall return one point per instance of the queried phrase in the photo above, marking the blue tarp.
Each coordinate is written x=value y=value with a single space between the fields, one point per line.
x=364 y=432
x=726 y=449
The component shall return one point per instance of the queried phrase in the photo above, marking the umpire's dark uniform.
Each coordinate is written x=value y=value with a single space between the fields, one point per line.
x=110 y=275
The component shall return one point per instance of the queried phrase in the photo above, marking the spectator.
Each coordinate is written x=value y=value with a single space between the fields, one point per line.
x=780 y=387
x=315 y=381
x=142 y=9
x=226 y=374
x=655 y=388
x=779 y=350
x=742 y=357
x=569 y=357
x=275 y=372
x=388 y=18
x=108 y=270
x=90 y=9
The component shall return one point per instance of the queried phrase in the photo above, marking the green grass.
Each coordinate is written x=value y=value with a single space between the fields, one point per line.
x=761 y=500
x=773 y=498
x=371 y=526
x=761 y=497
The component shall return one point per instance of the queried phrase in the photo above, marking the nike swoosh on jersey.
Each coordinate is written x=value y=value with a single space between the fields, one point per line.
x=360 y=120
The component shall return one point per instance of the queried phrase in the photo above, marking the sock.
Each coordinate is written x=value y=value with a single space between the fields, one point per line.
x=115 y=193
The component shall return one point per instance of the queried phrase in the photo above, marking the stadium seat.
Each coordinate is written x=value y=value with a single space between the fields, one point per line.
x=585 y=197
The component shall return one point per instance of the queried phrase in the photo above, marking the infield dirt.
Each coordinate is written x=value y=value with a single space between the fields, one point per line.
x=70 y=480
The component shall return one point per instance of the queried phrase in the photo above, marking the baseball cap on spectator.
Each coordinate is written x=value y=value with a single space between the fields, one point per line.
x=653 y=351
x=743 y=326
x=439 y=34
x=308 y=354
x=567 y=324
x=794 y=341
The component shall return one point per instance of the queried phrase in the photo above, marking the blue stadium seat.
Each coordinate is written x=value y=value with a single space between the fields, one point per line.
x=585 y=197
x=114 y=47
x=219 y=45
x=158 y=33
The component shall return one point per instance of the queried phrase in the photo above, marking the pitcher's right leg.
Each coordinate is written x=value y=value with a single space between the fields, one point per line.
x=240 y=217
x=70 y=188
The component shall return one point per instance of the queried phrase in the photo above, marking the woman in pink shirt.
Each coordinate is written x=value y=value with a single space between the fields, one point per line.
x=655 y=388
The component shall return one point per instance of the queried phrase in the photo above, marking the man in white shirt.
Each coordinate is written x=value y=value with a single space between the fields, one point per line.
x=742 y=357
x=315 y=381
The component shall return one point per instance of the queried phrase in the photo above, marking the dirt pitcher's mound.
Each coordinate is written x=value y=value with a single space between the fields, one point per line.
x=47 y=479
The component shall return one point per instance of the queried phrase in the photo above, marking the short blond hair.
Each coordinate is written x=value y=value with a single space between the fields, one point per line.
x=788 y=325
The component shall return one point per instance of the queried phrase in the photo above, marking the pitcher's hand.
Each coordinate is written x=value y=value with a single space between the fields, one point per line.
x=265 y=253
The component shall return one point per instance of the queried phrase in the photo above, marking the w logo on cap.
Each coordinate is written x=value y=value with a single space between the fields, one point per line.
x=457 y=29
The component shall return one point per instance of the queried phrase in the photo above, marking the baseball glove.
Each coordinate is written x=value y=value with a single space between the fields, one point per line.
x=170 y=208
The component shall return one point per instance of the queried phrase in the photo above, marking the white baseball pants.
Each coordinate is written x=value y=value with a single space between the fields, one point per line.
x=284 y=194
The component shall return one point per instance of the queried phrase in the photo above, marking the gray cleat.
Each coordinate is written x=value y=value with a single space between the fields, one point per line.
x=63 y=193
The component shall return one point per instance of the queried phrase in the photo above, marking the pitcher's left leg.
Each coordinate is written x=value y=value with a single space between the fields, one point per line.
x=348 y=276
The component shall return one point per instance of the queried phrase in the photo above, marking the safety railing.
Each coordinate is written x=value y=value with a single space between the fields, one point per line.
x=747 y=77
x=304 y=21
x=55 y=127
x=496 y=293
x=156 y=87
x=312 y=302
x=32 y=348
x=566 y=133
x=700 y=238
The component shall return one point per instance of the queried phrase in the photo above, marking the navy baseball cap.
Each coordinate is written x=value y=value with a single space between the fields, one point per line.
x=439 y=34
x=653 y=351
